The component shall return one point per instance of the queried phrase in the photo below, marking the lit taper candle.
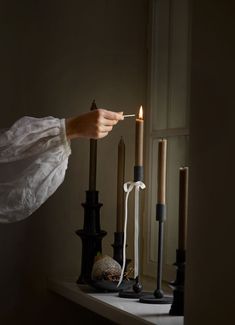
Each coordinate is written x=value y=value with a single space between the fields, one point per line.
x=139 y=145
x=93 y=158
x=183 y=207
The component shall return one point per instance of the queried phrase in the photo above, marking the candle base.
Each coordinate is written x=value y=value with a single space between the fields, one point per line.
x=91 y=235
x=136 y=290
x=177 y=307
x=151 y=299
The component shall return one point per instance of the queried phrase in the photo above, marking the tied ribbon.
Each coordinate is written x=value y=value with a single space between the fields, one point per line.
x=128 y=187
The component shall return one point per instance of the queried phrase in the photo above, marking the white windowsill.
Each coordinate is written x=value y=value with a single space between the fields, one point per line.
x=109 y=305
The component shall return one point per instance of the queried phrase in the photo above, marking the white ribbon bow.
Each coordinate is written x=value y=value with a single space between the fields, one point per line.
x=128 y=187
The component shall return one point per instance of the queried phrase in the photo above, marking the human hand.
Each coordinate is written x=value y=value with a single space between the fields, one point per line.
x=95 y=124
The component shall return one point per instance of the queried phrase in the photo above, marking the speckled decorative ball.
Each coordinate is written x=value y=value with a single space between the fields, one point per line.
x=105 y=267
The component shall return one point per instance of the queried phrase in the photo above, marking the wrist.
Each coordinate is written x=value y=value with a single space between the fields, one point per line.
x=70 y=128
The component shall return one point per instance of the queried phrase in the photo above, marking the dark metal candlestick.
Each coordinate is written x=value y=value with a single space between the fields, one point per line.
x=137 y=287
x=158 y=296
x=177 y=307
x=91 y=235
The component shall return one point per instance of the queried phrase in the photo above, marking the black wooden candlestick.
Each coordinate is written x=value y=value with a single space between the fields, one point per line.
x=91 y=235
x=177 y=307
x=158 y=296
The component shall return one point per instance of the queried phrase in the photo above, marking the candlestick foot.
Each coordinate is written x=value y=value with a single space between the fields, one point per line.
x=130 y=294
x=158 y=293
x=151 y=299
x=177 y=307
x=136 y=293
x=137 y=287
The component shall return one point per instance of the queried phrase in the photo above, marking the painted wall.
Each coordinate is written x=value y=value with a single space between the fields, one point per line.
x=55 y=58
x=211 y=250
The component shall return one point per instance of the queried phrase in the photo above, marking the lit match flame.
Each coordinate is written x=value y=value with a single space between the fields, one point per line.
x=141 y=114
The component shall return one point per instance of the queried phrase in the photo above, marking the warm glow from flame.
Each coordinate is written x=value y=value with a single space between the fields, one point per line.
x=141 y=114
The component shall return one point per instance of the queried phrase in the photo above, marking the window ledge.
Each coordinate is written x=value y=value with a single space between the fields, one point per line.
x=109 y=305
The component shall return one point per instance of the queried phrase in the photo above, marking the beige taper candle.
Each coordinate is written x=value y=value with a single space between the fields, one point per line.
x=162 y=150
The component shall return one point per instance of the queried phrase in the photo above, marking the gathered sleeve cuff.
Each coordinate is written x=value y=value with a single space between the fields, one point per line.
x=34 y=156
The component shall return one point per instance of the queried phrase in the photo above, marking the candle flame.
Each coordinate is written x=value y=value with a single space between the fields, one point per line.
x=141 y=114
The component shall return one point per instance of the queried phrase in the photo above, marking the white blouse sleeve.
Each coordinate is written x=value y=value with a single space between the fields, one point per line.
x=33 y=159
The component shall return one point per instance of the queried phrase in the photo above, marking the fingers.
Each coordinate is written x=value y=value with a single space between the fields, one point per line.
x=105 y=121
x=102 y=135
x=109 y=115
x=101 y=131
x=96 y=124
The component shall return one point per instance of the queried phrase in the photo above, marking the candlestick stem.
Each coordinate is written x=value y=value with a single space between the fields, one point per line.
x=158 y=293
x=158 y=296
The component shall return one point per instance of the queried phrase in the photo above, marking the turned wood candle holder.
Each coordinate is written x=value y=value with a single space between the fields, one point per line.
x=91 y=235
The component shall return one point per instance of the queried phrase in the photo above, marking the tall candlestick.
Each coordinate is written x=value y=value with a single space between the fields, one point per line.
x=139 y=138
x=162 y=148
x=93 y=158
x=183 y=207
x=120 y=182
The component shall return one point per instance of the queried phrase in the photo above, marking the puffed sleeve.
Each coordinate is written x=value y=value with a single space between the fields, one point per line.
x=33 y=160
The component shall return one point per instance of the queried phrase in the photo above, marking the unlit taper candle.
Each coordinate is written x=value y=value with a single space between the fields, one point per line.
x=120 y=182
x=93 y=158
x=183 y=206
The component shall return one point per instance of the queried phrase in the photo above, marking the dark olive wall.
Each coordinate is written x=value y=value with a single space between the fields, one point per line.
x=55 y=58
